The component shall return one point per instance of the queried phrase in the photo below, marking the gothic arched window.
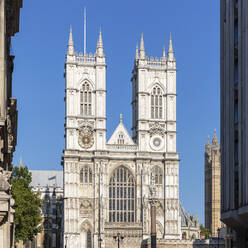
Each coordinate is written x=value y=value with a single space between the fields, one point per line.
x=121 y=139
x=89 y=245
x=121 y=196
x=157 y=103
x=86 y=175
x=157 y=175
x=86 y=99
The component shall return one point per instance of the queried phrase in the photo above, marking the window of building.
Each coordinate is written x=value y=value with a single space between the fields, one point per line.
x=184 y=235
x=33 y=243
x=122 y=196
x=156 y=175
x=86 y=175
x=89 y=243
x=54 y=211
x=236 y=117
x=86 y=99
x=121 y=139
x=236 y=73
x=47 y=241
x=236 y=34
x=156 y=103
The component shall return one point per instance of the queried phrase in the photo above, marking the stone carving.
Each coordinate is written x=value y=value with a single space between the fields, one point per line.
x=84 y=123
x=160 y=230
x=4 y=177
x=86 y=208
x=85 y=226
x=86 y=204
x=156 y=129
x=86 y=135
x=10 y=134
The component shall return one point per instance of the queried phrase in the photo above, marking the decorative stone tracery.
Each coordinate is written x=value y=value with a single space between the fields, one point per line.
x=156 y=128
x=86 y=135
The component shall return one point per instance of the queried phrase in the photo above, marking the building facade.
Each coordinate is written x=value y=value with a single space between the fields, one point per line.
x=48 y=184
x=9 y=25
x=107 y=183
x=234 y=122
x=189 y=225
x=212 y=186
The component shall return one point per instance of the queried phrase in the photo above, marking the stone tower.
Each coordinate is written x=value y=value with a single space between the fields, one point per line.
x=154 y=119
x=154 y=101
x=107 y=183
x=212 y=186
x=85 y=130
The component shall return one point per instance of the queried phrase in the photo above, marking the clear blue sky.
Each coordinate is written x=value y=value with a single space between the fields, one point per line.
x=38 y=81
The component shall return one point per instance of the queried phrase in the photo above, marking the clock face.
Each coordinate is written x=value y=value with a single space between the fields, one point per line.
x=156 y=143
x=86 y=138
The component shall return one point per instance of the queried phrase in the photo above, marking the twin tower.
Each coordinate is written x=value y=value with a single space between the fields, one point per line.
x=107 y=183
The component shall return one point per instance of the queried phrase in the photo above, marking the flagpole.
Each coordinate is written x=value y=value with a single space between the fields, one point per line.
x=84 y=31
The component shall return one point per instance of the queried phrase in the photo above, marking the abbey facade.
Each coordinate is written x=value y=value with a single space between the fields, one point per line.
x=107 y=183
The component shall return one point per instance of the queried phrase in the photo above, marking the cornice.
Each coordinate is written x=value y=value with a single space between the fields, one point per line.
x=111 y=155
x=85 y=117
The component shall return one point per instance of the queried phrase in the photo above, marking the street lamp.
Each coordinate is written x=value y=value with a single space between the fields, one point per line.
x=218 y=230
x=153 y=200
x=100 y=240
x=66 y=237
x=118 y=238
x=66 y=241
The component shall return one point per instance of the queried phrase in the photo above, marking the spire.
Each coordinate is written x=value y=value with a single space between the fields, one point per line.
x=20 y=163
x=99 y=48
x=120 y=118
x=164 y=55
x=170 y=45
x=142 y=48
x=170 y=50
x=70 y=50
x=137 y=51
x=208 y=146
x=215 y=139
x=164 y=52
x=100 y=43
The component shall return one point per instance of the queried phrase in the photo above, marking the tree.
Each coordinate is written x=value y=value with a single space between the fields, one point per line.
x=27 y=206
x=205 y=231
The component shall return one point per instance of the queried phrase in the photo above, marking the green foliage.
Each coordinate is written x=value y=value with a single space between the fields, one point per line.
x=27 y=206
x=205 y=231
x=192 y=218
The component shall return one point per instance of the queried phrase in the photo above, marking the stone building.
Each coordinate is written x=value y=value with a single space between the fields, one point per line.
x=212 y=186
x=49 y=186
x=107 y=182
x=9 y=25
x=234 y=121
x=189 y=225
x=204 y=243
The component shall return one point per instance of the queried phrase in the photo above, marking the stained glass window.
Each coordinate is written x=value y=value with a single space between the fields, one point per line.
x=122 y=196
x=86 y=175
x=156 y=103
x=86 y=99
